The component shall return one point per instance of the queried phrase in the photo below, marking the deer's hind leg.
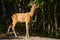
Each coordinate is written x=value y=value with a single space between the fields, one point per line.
x=14 y=21
x=13 y=27
x=9 y=28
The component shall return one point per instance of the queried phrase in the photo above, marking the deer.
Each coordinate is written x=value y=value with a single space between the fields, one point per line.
x=23 y=17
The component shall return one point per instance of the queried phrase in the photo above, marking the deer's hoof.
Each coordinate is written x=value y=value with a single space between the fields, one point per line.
x=16 y=36
x=7 y=32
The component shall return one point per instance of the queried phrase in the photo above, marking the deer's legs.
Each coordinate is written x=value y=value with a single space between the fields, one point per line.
x=8 y=29
x=13 y=26
x=27 y=30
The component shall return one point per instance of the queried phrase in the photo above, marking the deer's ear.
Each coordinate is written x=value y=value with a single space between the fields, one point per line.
x=31 y=3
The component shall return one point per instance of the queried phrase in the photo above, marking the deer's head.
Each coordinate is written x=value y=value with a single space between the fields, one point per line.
x=34 y=5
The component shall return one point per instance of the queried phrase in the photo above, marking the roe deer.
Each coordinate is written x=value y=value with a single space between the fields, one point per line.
x=22 y=17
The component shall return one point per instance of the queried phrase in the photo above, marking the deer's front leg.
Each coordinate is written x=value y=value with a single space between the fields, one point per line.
x=27 y=30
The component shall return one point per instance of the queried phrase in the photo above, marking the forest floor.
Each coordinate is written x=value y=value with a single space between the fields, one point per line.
x=31 y=38
x=11 y=37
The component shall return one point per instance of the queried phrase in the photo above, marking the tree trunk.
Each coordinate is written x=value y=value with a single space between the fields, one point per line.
x=55 y=18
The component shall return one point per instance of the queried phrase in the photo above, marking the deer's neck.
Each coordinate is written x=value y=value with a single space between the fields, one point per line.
x=32 y=11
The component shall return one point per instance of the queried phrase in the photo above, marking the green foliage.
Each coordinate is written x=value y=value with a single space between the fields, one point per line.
x=29 y=5
x=51 y=0
x=9 y=0
x=40 y=3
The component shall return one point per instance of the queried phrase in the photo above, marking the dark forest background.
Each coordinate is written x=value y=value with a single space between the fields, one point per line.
x=46 y=21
